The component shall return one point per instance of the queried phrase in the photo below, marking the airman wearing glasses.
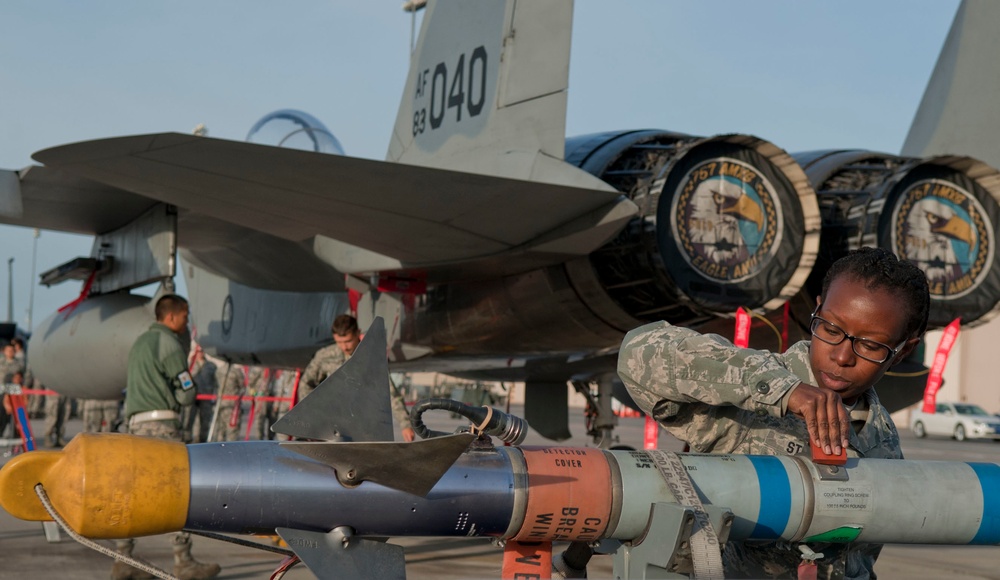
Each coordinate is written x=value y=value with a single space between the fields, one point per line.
x=722 y=399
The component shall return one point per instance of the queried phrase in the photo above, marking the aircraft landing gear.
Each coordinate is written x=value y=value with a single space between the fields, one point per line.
x=601 y=419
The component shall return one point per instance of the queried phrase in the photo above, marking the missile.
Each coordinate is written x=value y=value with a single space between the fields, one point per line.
x=335 y=496
x=118 y=486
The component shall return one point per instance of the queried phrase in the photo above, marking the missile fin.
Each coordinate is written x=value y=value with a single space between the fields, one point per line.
x=411 y=467
x=340 y=555
x=352 y=404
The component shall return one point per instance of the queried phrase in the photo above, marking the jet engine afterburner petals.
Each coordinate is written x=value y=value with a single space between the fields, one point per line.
x=941 y=213
x=724 y=222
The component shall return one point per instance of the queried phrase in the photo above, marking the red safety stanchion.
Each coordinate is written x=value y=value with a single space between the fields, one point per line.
x=651 y=434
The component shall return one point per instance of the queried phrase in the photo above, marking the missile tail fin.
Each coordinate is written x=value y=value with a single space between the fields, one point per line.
x=352 y=404
x=411 y=467
x=339 y=555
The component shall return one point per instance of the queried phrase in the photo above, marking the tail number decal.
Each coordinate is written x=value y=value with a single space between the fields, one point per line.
x=456 y=93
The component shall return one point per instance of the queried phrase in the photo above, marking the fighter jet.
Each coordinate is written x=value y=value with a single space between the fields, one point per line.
x=495 y=247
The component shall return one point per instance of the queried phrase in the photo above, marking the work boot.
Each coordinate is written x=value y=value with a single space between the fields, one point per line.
x=122 y=571
x=187 y=568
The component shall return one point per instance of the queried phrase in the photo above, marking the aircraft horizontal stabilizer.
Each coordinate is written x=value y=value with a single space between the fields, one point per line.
x=42 y=197
x=419 y=216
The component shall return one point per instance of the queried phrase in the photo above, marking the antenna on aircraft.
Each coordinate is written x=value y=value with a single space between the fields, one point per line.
x=413 y=6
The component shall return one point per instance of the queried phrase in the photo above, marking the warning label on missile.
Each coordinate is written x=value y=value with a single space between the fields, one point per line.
x=569 y=495
x=841 y=498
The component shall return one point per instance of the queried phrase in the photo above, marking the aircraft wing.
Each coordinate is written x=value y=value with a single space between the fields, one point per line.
x=47 y=198
x=417 y=216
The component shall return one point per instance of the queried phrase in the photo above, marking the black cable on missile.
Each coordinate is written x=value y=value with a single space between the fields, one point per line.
x=487 y=420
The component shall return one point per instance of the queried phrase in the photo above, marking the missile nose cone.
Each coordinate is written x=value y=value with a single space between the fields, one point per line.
x=104 y=485
x=17 y=482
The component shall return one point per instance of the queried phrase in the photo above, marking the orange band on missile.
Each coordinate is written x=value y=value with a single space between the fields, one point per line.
x=105 y=485
x=569 y=494
x=527 y=560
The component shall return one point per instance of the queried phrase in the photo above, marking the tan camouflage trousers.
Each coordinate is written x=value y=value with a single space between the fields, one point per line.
x=99 y=416
x=169 y=430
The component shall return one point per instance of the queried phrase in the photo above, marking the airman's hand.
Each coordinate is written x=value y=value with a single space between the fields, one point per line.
x=408 y=434
x=825 y=416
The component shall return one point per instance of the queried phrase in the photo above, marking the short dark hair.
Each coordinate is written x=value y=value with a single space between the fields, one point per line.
x=344 y=324
x=17 y=341
x=170 y=303
x=880 y=268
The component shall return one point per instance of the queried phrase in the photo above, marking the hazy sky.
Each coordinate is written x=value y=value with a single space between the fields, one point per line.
x=804 y=75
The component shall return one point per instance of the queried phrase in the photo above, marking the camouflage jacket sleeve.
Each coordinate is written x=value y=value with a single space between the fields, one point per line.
x=399 y=411
x=229 y=378
x=665 y=367
x=310 y=378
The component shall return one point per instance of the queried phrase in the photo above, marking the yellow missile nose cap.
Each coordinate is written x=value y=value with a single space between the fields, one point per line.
x=105 y=485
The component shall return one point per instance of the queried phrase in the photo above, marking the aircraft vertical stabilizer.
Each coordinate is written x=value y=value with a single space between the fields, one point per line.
x=959 y=113
x=487 y=92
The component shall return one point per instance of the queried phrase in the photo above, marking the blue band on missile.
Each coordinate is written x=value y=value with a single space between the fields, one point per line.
x=989 y=481
x=775 y=497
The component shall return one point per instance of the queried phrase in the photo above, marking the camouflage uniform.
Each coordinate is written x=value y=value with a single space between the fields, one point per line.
x=722 y=399
x=282 y=385
x=99 y=416
x=330 y=358
x=198 y=417
x=180 y=541
x=326 y=360
x=56 y=410
x=8 y=367
x=230 y=379
x=258 y=385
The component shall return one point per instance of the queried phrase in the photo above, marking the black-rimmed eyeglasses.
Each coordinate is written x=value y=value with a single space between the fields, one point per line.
x=866 y=348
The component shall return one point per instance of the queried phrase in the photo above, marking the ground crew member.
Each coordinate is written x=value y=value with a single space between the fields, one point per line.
x=9 y=366
x=198 y=417
x=100 y=416
x=56 y=410
x=264 y=382
x=257 y=383
x=283 y=386
x=347 y=337
x=230 y=379
x=8 y=405
x=36 y=403
x=158 y=386
x=722 y=399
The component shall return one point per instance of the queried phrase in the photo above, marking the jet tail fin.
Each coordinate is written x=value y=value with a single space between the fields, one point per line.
x=957 y=114
x=486 y=92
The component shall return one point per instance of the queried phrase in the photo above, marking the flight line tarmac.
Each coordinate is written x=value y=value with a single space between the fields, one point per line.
x=25 y=553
